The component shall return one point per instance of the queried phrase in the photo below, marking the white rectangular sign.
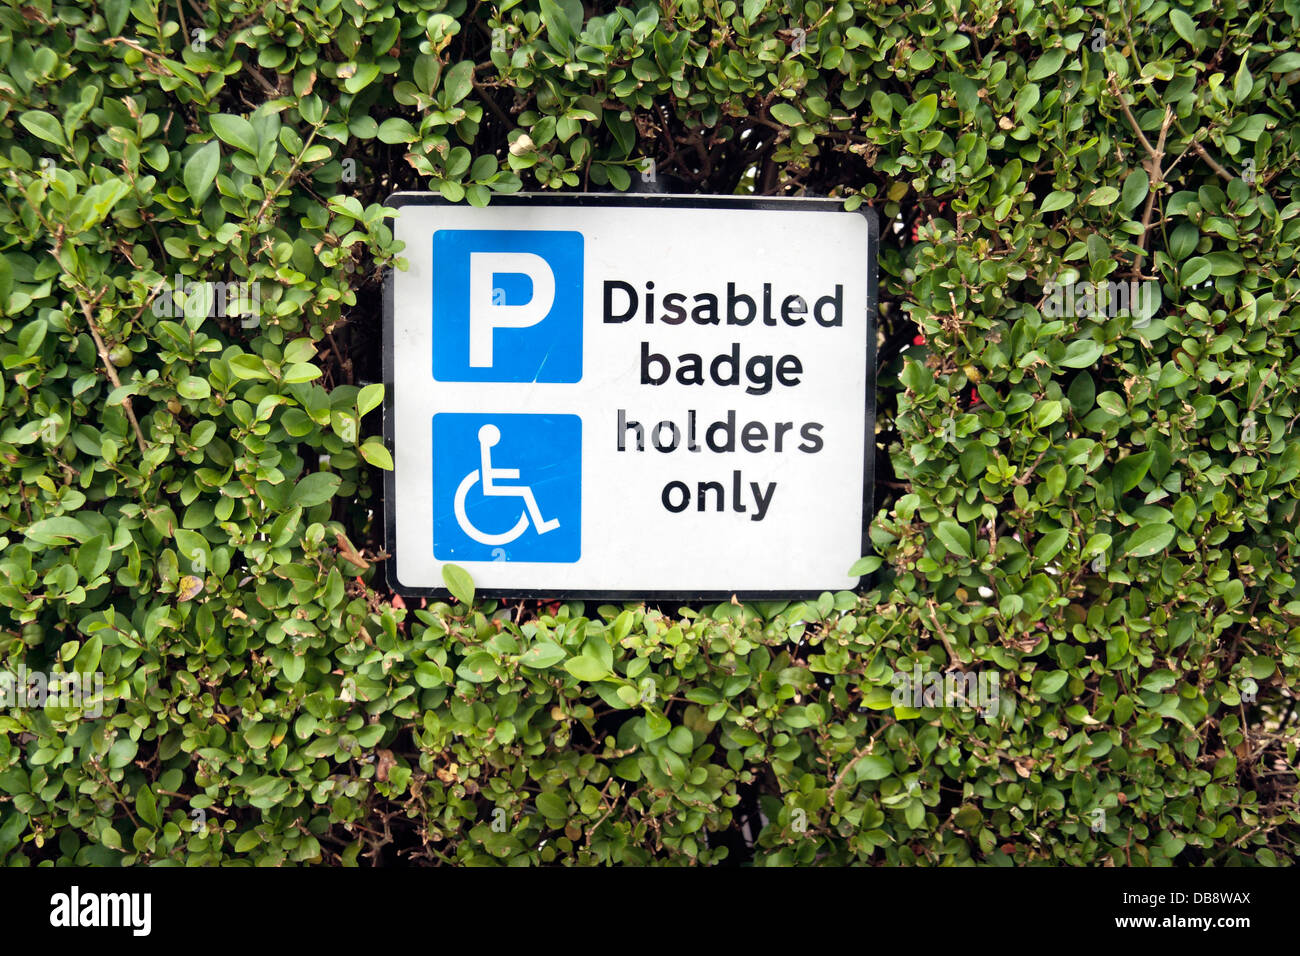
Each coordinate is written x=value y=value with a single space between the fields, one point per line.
x=630 y=396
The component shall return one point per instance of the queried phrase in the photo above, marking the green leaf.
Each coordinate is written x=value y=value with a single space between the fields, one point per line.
x=248 y=366
x=88 y=658
x=457 y=82
x=58 y=531
x=300 y=350
x=542 y=655
x=479 y=668
x=1242 y=83
x=1112 y=404
x=1135 y=189
x=1130 y=470
x=1284 y=63
x=786 y=114
x=873 y=767
x=194 y=387
x=31 y=337
x=376 y=454
x=302 y=372
x=1224 y=263
x=1050 y=681
x=1050 y=544
x=1150 y=539
x=1261 y=667
x=42 y=124
x=954 y=537
x=1047 y=64
x=396 y=130
x=93 y=557
x=235 y=131
x=201 y=171
x=98 y=201
x=1194 y=271
x=559 y=30
x=586 y=668
x=369 y=398
x=115 y=12
x=865 y=565
x=920 y=114
x=363 y=76
x=315 y=489
x=654 y=725
x=1057 y=199
x=459 y=583
x=259 y=735
x=1082 y=353
x=553 y=806
x=1103 y=196
x=428 y=674
x=146 y=807
x=1183 y=25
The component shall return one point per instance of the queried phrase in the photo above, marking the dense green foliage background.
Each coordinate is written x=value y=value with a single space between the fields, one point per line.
x=189 y=504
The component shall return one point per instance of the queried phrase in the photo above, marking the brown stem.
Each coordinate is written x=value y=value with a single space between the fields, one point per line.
x=492 y=104
x=87 y=309
x=1209 y=161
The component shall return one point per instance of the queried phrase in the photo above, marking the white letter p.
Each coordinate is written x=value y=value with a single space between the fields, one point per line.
x=487 y=313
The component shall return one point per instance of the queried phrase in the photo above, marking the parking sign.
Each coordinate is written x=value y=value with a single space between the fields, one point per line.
x=507 y=305
x=630 y=396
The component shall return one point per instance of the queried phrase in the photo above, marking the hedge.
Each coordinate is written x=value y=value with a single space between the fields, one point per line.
x=1094 y=504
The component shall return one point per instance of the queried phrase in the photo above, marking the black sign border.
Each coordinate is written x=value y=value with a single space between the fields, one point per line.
x=650 y=200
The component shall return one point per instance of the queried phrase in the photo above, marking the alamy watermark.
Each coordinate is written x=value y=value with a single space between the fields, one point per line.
x=75 y=909
x=978 y=690
x=30 y=689
x=1137 y=298
x=187 y=298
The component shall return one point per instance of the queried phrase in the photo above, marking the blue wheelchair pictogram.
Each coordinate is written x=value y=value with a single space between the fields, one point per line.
x=507 y=487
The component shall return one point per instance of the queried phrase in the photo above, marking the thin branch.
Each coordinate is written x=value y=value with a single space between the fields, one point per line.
x=1123 y=104
x=1209 y=161
x=88 y=310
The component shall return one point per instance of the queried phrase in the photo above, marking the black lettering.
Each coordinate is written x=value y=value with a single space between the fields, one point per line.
x=657 y=434
x=837 y=301
x=706 y=313
x=736 y=504
x=691 y=371
x=768 y=317
x=674 y=313
x=710 y=486
x=811 y=433
x=734 y=359
x=781 y=429
x=752 y=436
x=729 y=426
x=761 y=501
x=649 y=303
x=685 y=492
x=646 y=358
x=733 y=300
x=791 y=366
x=610 y=286
x=762 y=384
x=792 y=306
x=624 y=426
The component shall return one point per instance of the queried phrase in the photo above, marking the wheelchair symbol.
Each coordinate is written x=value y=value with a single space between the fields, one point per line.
x=488 y=436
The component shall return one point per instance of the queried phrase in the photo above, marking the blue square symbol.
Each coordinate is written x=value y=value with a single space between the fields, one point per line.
x=507 y=305
x=507 y=487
